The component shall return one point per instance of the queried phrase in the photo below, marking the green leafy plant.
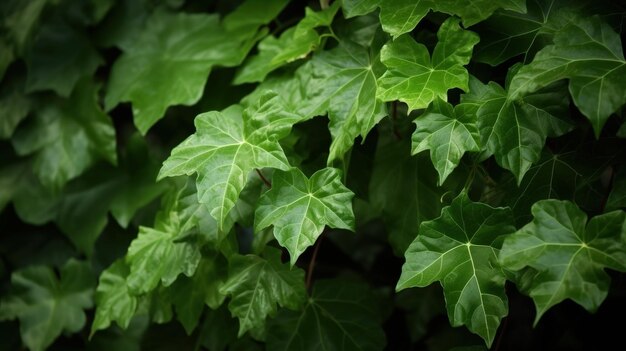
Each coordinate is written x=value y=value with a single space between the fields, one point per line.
x=348 y=175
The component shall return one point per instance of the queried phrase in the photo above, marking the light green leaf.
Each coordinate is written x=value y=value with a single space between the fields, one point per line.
x=404 y=189
x=293 y=44
x=299 y=208
x=67 y=136
x=328 y=321
x=161 y=253
x=170 y=63
x=227 y=146
x=342 y=83
x=59 y=58
x=114 y=300
x=515 y=131
x=460 y=250
x=256 y=285
x=47 y=305
x=588 y=53
x=567 y=253
x=190 y=294
x=417 y=79
x=447 y=134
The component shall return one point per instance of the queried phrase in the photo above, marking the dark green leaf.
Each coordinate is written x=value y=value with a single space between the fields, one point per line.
x=338 y=316
x=114 y=300
x=567 y=253
x=460 y=250
x=47 y=305
x=256 y=285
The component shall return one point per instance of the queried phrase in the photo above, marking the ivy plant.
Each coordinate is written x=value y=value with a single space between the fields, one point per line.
x=304 y=175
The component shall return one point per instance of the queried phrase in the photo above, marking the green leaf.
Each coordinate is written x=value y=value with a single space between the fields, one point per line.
x=14 y=106
x=227 y=146
x=254 y=13
x=588 y=53
x=342 y=83
x=447 y=134
x=404 y=189
x=21 y=18
x=47 y=305
x=401 y=16
x=459 y=249
x=417 y=79
x=338 y=316
x=299 y=207
x=170 y=63
x=161 y=253
x=567 y=253
x=293 y=44
x=59 y=58
x=617 y=197
x=256 y=285
x=11 y=180
x=507 y=34
x=67 y=136
x=114 y=300
x=515 y=131
x=190 y=294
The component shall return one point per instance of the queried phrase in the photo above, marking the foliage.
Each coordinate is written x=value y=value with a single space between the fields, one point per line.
x=298 y=175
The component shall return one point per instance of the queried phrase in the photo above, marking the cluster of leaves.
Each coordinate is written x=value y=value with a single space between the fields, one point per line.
x=480 y=142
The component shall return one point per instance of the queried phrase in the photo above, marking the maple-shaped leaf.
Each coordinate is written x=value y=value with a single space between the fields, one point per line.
x=507 y=34
x=257 y=285
x=416 y=78
x=589 y=53
x=227 y=146
x=161 y=253
x=190 y=294
x=567 y=253
x=342 y=83
x=516 y=130
x=67 y=136
x=401 y=16
x=293 y=44
x=170 y=62
x=328 y=320
x=47 y=305
x=114 y=300
x=299 y=207
x=447 y=134
x=460 y=250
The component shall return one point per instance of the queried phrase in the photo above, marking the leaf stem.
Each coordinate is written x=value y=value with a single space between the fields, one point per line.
x=265 y=181
x=311 y=268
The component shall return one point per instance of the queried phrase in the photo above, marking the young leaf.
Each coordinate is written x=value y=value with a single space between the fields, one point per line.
x=568 y=254
x=299 y=208
x=67 y=136
x=327 y=321
x=459 y=249
x=515 y=131
x=170 y=63
x=417 y=79
x=114 y=300
x=588 y=53
x=447 y=134
x=293 y=44
x=342 y=83
x=256 y=285
x=227 y=146
x=46 y=305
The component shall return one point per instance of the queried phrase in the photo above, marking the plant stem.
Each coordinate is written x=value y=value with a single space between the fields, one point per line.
x=267 y=182
x=311 y=268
